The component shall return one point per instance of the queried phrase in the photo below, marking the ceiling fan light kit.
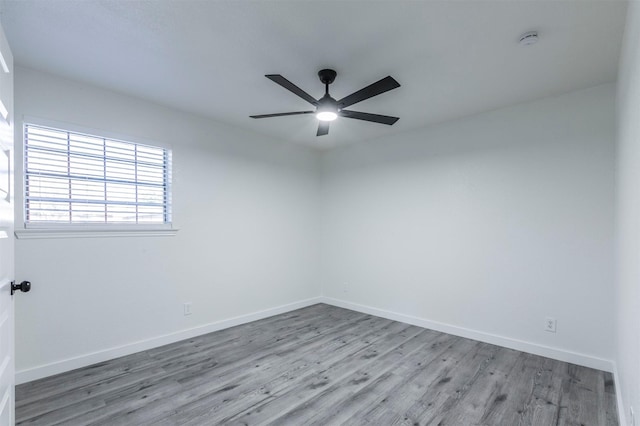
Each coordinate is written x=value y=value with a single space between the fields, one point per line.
x=326 y=115
x=328 y=109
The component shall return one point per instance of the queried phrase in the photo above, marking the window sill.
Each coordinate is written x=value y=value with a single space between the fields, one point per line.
x=34 y=233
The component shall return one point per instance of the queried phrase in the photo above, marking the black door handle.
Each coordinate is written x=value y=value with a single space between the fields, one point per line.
x=24 y=287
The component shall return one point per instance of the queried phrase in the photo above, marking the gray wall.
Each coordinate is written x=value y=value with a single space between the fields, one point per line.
x=247 y=213
x=628 y=218
x=484 y=226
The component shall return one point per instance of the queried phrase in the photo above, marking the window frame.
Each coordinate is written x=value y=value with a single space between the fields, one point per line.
x=87 y=230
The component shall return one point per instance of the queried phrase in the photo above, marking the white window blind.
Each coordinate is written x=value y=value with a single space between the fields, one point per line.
x=74 y=178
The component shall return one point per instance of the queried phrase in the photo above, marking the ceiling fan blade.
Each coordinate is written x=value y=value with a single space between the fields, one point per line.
x=323 y=128
x=277 y=78
x=380 y=86
x=281 y=114
x=376 y=118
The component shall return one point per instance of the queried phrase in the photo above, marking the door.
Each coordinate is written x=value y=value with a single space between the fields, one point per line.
x=7 y=375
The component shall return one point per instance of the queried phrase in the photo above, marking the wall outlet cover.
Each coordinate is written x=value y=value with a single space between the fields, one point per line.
x=187 y=308
x=550 y=324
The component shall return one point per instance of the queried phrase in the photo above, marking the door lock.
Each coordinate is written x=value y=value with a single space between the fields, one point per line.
x=24 y=287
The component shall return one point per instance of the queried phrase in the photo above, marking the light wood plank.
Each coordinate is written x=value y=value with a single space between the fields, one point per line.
x=323 y=365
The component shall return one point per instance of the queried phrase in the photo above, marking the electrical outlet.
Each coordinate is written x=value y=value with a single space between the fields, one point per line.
x=187 y=308
x=550 y=324
x=632 y=417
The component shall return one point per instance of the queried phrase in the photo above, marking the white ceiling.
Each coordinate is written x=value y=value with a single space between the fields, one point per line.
x=452 y=58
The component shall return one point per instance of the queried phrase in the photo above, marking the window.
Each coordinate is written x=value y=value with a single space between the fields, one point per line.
x=75 y=178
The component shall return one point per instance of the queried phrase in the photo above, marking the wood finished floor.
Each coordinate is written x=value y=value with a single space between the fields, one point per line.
x=323 y=365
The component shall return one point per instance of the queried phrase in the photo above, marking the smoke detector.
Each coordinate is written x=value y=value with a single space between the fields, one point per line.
x=527 y=39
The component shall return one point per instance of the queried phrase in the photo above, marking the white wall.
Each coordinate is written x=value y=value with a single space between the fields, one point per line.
x=484 y=226
x=247 y=213
x=628 y=218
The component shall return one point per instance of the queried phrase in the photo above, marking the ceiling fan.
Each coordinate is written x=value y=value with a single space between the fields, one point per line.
x=328 y=109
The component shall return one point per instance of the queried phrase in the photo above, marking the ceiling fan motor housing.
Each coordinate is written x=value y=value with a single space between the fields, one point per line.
x=327 y=102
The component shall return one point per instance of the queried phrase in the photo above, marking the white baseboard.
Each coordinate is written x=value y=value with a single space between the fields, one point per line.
x=622 y=414
x=507 y=342
x=84 y=360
